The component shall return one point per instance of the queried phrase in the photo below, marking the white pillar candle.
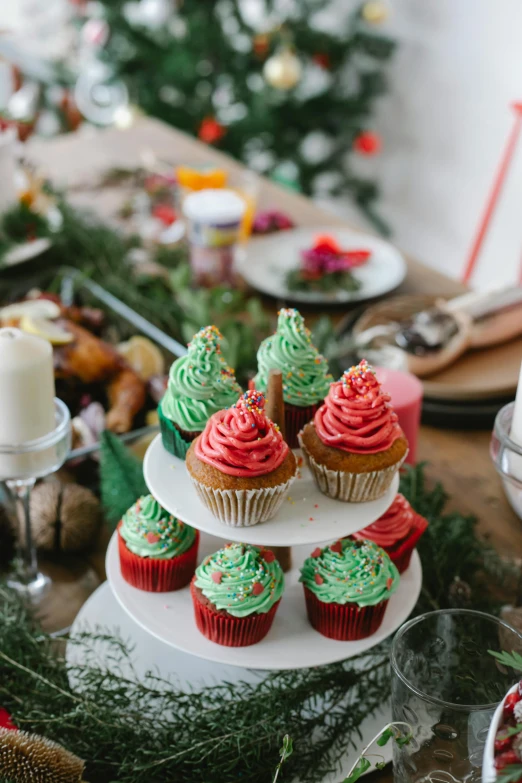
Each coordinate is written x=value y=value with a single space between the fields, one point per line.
x=26 y=395
x=7 y=169
x=516 y=422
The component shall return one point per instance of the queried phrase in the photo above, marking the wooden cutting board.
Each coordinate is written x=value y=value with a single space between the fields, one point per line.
x=478 y=375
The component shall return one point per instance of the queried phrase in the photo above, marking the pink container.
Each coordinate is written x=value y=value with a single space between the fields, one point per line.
x=405 y=391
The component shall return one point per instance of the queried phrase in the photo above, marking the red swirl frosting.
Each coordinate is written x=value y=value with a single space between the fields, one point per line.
x=357 y=415
x=241 y=440
x=394 y=525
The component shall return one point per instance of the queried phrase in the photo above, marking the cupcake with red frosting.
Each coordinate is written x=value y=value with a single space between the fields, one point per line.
x=354 y=446
x=397 y=531
x=240 y=464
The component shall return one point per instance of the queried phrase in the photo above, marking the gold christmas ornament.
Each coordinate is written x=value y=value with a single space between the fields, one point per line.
x=65 y=517
x=375 y=12
x=28 y=758
x=283 y=70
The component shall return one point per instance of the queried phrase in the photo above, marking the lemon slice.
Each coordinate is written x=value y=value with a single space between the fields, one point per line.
x=46 y=329
x=143 y=356
x=35 y=308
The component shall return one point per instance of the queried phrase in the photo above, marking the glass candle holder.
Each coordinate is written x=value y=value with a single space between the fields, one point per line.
x=507 y=457
x=446 y=686
x=20 y=466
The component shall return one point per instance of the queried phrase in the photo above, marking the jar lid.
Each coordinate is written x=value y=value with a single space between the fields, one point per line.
x=214 y=206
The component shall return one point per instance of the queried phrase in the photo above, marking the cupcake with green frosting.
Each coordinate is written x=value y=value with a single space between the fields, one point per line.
x=347 y=586
x=236 y=592
x=306 y=378
x=200 y=384
x=158 y=552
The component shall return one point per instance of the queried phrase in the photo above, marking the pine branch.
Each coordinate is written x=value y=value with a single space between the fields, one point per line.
x=121 y=477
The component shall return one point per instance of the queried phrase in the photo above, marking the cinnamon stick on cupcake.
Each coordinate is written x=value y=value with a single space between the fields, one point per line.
x=354 y=446
x=397 y=531
x=236 y=592
x=200 y=383
x=157 y=551
x=306 y=378
x=240 y=464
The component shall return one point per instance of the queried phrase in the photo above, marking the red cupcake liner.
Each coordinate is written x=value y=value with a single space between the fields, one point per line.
x=401 y=555
x=343 y=622
x=295 y=420
x=155 y=575
x=231 y=631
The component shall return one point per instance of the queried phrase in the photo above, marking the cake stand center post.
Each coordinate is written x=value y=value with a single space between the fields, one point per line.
x=275 y=410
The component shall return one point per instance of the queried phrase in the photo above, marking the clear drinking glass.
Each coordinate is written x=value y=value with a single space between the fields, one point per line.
x=507 y=457
x=446 y=685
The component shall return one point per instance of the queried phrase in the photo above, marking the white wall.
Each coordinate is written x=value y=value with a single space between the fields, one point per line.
x=445 y=122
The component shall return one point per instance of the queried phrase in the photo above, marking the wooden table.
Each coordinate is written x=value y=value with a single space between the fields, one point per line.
x=460 y=460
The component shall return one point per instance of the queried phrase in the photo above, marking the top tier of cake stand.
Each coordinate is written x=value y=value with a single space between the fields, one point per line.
x=306 y=516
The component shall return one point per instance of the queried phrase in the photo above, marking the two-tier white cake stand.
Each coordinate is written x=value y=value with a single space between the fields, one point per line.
x=162 y=625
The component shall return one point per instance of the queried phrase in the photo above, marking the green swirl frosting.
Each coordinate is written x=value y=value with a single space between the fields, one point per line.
x=200 y=383
x=150 y=531
x=357 y=572
x=241 y=579
x=306 y=379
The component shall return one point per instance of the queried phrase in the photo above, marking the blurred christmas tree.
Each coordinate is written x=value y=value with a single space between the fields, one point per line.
x=269 y=82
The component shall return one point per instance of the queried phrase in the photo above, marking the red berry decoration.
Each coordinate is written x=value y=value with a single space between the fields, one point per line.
x=216 y=577
x=257 y=588
x=508 y=757
x=509 y=703
x=367 y=143
x=5 y=720
x=165 y=213
x=316 y=552
x=502 y=743
x=337 y=547
x=318 y=579
x=268 y=556
x=210 y=131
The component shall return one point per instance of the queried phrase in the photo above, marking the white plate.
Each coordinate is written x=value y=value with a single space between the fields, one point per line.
x=149 y=654
x=306 y=516
x=267 y=261
x=292 y=643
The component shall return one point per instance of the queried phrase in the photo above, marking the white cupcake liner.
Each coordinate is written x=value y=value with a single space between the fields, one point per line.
x=243 y=507
x=351 y=487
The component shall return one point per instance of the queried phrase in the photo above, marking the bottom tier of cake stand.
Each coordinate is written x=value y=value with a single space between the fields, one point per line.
x=292 y=643
x=102 y=610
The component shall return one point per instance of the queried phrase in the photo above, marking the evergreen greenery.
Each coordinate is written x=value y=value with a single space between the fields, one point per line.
x=121 y=478
x=152 y=732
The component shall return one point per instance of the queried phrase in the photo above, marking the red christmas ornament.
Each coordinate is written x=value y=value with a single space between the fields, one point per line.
x=260 y=45
x=322 y=59
x=367 y=143
x=210 y=131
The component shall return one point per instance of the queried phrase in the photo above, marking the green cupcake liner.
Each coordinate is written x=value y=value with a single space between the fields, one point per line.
x=172 y=438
